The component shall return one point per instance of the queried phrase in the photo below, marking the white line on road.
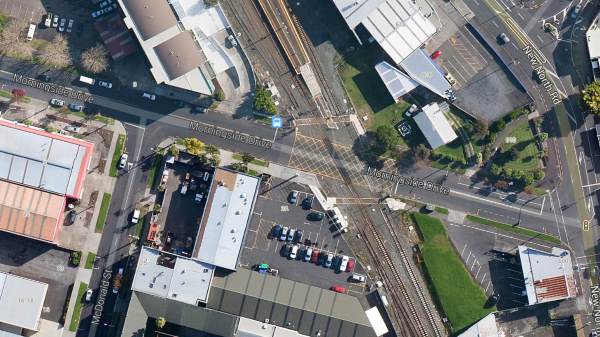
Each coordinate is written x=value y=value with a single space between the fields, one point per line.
x=495 y=24
x=501 y=194
x=539 y=38
x=521 y=16
x=493 y=202
x=134 y=126
x=542 y=208
x=555 y=217
x=562 y=216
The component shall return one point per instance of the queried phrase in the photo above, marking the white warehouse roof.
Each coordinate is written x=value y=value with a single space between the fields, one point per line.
x=593 y=38
x=485 y=327
x=397 y=25
x=172 y=276
x=434 y=126
x=226 y=215
x=21 y=301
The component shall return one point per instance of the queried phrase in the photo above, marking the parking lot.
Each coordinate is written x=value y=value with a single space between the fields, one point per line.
x=41 y=262
x=182 y=213
x=272 y=207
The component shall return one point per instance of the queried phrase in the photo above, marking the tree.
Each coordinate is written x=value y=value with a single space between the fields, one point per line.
x=480 y=130
x=538 y=174
x=591 y=97
x=95 y=59
x=160 y=322
x=422 y=152
x=247 y=158
x=528 y=178
x=543 y=136
x=498 y=125
x=193 y=146
x=513 y=153
x=212 y=150
x=387 y=137
x=17 y=94
x=56 y=53
x=173 y=150
x=496 y=170
x=219 y=95
x=13 y=39
x=263 y=101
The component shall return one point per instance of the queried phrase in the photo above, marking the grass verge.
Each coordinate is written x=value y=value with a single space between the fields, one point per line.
x=514 y=229
x=152 y=171
x=7 y=94
x=450 y=283
x=442 y=210
x=77 y=311
x=117 y=155
x=254 y=161
x=103 y=212
x=89 y=260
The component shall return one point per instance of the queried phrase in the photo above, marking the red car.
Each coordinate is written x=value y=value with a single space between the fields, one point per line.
x=350 y=266
x=436 y=54
x=314 y=258
x=338 y=289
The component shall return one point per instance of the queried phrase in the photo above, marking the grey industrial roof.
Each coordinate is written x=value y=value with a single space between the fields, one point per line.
x=39 y=159
x=143 y=306
x=593 y=38
x=434 y=125
x=397 y=25
x=180 y=54
x=21 y=301
x=396 y=82
x=171 y=276
x=226 y=215
x=151 y=17
x=421 y=68
x=289 y=304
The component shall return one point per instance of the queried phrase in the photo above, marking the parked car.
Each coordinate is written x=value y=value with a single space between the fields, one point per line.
x=71 y=128
x=276 y=231
x=149 y=96
x=286 y=250
x=61 y=27
x=105 y=84
x=136 y=216
x=284 y=233
x=88 y=295
x=44 y=77
x=57 y=102
x=75 y=107
x=232 y=40
x=436 y=54
x=199 y=197
x=314 y=258
x=293 y=197
x=70 y=25
x=123 y=160
x=338 y=289
x=315 y=216
x=329 y=261
x=307 y=203
x=350 y=266
x=104 y=10
x=308 y=254
x=358 y=278
x=48 y=20
x=576 y=11
x=200 y=109
x=504 y=38
x=55 y=21
x=291 y=234
x=298 y=236
x=294 y=252
x=322 y=258
x=343 y=263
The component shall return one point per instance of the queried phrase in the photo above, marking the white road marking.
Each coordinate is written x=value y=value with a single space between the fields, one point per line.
x=504 y=235
x=555 y=216
x=495 y=23
x=502 y=194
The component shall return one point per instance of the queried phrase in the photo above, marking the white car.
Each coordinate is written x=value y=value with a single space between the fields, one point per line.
x=71 y=128
x=105 y=84
x=576 y=11
x=57 y=102
x=55 y=21
x=232 y=40
x=123 y=160
x=294 y=252
x=344 y=263
x=359 y=278
x=136 y=216
x=199 y=197
x=70 y=25
x=88 y=295
x=61 y=27
x=151 y=97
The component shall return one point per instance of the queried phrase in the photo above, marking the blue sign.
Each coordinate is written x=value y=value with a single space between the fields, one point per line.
x=276 y=122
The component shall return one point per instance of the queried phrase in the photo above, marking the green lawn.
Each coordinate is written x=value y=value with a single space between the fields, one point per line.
x=99 y=118
x=7 y=94
x=152 y=171
x=89 y=260
x=255 y=161
x=527 y=159
x=442 y=210
x=77 y=310
x=450 y=283
x=117 y=155
x=103 y=212
x=514 y=229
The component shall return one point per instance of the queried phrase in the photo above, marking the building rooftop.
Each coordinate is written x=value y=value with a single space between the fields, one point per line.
x=423 y=70
x=485 y=327
x=30 y=212
x=21 y=301
x=171 y=276
x=434 y=125
x=397 y=25
x=180 y=54
x=117 y=39
x=593 y=38
x=251 y=328
x=396 y=82
x=51 y=162
x=151 y=16
x=226 y=215
x=548 y=275
x=376 y=321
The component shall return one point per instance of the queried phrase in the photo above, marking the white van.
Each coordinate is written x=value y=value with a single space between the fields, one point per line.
x=30 y=32
x=87 y=80
x=136 y=216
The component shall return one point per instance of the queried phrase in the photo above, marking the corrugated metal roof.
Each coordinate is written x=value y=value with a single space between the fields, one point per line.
x=423 y=70
x=434 y=126
x=21 y=301
x=396 y=82
x=593 y=38
x=151 y=17
x=51 y=162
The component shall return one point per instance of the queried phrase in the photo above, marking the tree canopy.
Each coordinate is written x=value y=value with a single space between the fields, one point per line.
x=591 y=97
x=193 y=146
x=387 y=137
x=263 y=101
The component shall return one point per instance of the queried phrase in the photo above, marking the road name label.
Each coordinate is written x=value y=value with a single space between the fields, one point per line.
x=230 y=135
x=408 y=181
x=540 y=71
x=595 y=299
x=102 y=291
x=54 y=88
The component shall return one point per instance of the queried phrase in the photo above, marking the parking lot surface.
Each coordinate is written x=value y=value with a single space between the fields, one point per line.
x=41 y=262
x=272 y=207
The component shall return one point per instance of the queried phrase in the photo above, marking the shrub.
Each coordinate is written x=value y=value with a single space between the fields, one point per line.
x=498 y=125
x=75 y=258
x=538 y=174
x=219 y=95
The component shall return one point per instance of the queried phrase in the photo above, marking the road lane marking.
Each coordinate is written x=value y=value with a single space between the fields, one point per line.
x=502 y=194
x=555 y=216
x=468 y=195
x=495 y=24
